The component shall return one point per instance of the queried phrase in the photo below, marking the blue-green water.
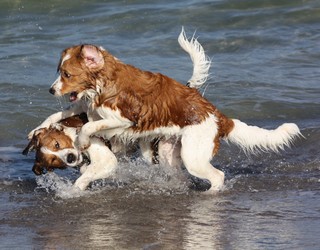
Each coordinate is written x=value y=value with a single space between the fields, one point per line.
x=266 y=71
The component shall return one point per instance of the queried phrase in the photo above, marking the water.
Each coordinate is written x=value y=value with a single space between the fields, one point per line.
x=266 y=58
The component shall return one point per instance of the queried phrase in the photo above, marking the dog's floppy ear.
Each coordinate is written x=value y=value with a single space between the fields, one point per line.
x=34 y=142
x=92 y=56
x=37 y=168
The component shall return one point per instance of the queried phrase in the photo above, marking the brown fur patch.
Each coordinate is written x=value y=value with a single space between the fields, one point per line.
x=75 y=121
x=225 y=126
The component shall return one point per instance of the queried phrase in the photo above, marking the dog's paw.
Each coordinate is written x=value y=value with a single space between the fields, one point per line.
x=83 y=142
x=80 y=184
x=83 y=169
x=56 y=126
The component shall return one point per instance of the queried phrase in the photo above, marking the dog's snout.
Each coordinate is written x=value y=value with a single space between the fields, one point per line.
x=71 y=158
x=52 y=91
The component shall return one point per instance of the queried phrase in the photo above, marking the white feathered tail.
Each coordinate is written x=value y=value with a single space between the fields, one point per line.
x=253 y=139
x=201 y=62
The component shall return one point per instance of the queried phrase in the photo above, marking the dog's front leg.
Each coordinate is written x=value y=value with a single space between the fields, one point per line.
x=103 y=163
x=90 y=128
x=56 y=117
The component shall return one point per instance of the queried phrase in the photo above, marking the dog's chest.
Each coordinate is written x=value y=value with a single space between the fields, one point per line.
x=90 y=109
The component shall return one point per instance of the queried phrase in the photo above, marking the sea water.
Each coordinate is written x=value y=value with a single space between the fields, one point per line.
x=265 y=71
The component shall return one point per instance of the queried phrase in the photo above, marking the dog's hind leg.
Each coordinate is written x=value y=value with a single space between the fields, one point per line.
x=196 y=152
x=103 y=163
x=147 y=151
x=200 y=167
x=169 y=152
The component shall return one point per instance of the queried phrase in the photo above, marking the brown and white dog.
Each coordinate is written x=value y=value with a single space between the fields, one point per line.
x=54 y=146
x=54 y=140
x=134 y=104
x=55 y=149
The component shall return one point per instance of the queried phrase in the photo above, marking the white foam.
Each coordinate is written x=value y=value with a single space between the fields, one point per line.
x=61 y=186
x=138 y=176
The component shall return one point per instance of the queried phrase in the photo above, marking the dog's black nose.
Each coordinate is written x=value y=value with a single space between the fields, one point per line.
x=52 y=91
x=71 y=158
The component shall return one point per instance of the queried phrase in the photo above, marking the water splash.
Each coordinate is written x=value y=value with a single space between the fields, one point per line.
x=155 y=179
x=61 y=186
x=136 y=176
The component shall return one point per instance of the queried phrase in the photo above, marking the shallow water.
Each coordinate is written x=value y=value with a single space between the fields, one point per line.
x=266 y=58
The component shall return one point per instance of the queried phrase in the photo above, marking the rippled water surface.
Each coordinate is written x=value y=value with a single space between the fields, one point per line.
x=266 y=58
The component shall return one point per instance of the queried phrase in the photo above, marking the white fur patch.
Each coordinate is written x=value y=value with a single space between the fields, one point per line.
x=66 y=57
x=200 y=139
x=57 y=86
x=71 y=132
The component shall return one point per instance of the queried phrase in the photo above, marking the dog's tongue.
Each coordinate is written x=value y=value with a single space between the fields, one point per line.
x=73 y=96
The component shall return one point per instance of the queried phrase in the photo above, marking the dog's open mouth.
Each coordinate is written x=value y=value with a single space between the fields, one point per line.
x=73 y=96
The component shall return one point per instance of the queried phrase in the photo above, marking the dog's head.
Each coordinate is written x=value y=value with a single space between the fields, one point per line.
x=54 y=148
x=79 y=68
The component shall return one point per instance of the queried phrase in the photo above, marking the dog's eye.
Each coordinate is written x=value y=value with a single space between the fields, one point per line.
x=57 y=145
x=66 y=74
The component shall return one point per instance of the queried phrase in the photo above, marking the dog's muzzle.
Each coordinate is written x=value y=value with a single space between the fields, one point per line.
x=70 y=156
x=52 y=91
